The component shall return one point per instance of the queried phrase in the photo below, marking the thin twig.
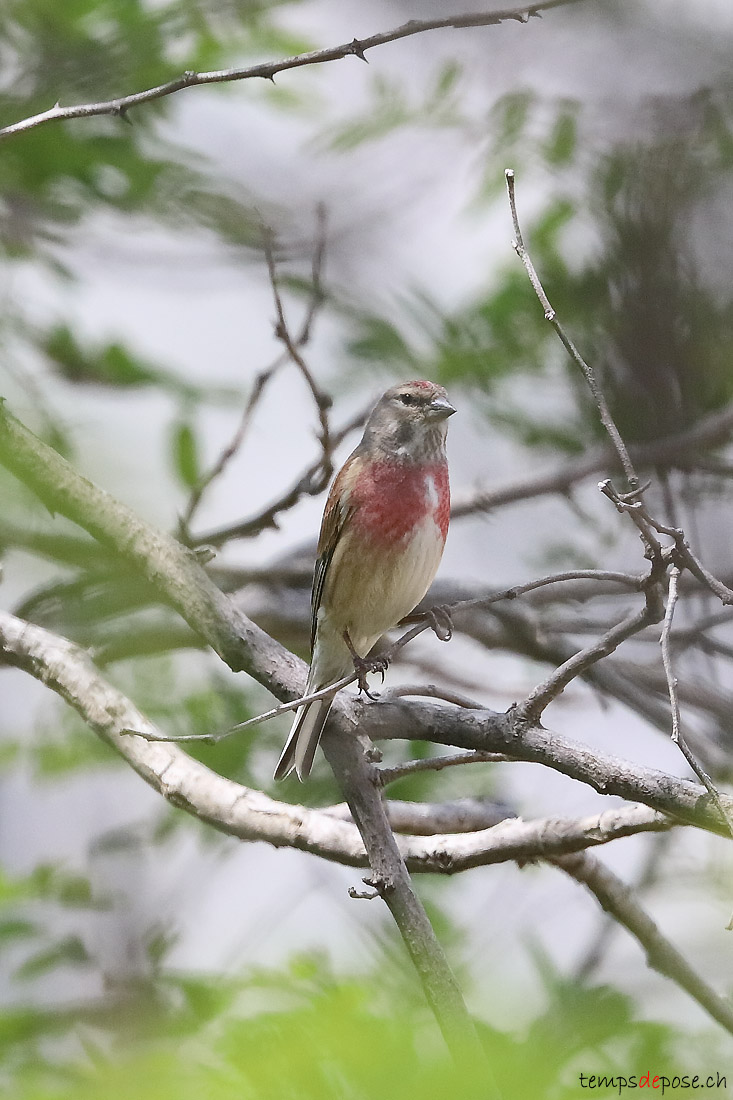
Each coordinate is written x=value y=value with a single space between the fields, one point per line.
x=533 y=706
x=214 y=738
x=310 y=483
x=316 y=299
x=322 y=400
x=231 y=449
x=677 y=736
x=268 y=69
x=438 y=763
x=709 y=431
x=317 y=295
x=632 y=581
x=602 y=405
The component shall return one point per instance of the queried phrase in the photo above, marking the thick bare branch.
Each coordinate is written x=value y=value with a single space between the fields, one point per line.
x=358 y=780
x=250 y=815
x=489 y=731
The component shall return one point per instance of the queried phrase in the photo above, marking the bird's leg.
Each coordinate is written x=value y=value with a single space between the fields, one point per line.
x=363 y=665
x=441 y=622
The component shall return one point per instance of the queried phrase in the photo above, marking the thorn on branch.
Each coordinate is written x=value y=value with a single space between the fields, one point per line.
x=357 y=49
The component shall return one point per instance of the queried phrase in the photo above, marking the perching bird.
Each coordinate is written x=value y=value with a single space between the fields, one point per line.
x=382 y=537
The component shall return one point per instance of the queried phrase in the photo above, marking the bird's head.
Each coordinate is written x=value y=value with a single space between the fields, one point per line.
x=410 y=420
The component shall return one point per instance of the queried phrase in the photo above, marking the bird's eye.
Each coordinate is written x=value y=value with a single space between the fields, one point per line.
x=407 y=398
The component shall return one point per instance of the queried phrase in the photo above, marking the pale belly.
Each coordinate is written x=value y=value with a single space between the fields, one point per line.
x=371 y=591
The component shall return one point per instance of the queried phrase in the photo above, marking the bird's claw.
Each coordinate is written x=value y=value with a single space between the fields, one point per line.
x=364 y=665
x=441 y=622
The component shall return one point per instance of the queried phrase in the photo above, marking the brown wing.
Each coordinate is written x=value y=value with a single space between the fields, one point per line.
x=336 y=515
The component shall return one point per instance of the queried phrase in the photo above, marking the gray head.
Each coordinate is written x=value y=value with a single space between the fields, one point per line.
x=410 y=421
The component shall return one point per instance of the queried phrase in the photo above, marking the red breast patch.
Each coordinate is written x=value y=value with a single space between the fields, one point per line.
x=392 y=498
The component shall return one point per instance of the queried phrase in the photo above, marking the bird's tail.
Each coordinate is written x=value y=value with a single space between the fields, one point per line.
x=301 y=745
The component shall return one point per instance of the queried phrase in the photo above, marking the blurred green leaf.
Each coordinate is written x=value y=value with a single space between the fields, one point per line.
x=16 y=928
x=67 y=952
x=509 y=116
x=53 y=882
x=561 y=144
x=185 y=454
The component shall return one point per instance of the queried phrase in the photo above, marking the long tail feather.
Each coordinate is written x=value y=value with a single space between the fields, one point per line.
x=301 y=745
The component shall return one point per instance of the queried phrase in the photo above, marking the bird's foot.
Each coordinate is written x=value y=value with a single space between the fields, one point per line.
x=441 y=622
x=364 y=665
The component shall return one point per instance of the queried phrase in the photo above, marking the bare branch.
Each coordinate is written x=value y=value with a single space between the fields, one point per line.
x=275 y=712
x=618 y=900
x=389 y=876
x=627 y=580
x=677 y=736
x=646 y=877
x=536 y=702
x=429 y=691
x=310 y=483
x=250 y=815
x=321 y=399
x=438 y=763
x=602 y=405
x=231 y=449
x=316 y=299
x=267 y=70
x=709 y=431
x=489 y=731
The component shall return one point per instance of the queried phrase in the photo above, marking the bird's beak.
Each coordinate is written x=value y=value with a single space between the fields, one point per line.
x=440 y=408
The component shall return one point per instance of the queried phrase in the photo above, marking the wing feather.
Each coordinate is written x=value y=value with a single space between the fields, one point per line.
x=336 y=516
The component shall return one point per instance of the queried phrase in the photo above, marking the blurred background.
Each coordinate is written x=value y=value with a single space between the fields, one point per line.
x=141 y=954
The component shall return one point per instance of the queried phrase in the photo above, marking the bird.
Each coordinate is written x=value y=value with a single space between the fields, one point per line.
x=382 y=537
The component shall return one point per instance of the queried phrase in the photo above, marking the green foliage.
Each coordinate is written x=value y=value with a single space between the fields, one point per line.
x=185 y=454
x=562 y=141
x=69 y=951
x=56 y=177
x=303 y=1033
